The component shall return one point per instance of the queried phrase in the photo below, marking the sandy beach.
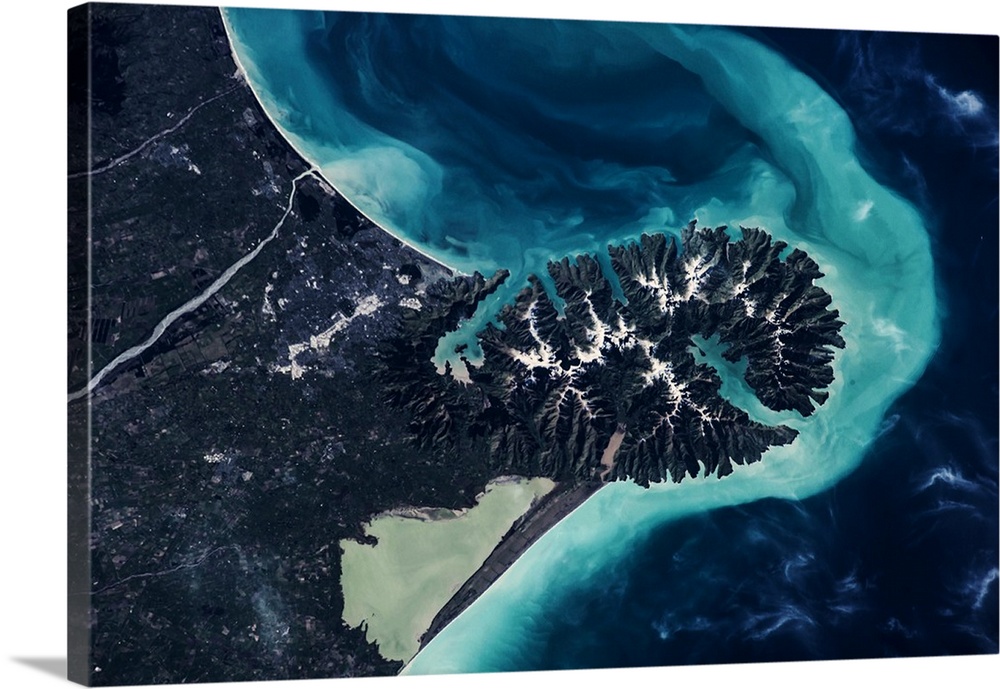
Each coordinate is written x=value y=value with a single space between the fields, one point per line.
x=542 y=516
x=314 y=165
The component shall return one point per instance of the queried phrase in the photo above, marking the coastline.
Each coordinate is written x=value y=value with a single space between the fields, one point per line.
x=314 y=166
x=397 y=586
x=899 y=475
x=531 y=526
x=778 y=481
x=540 y=518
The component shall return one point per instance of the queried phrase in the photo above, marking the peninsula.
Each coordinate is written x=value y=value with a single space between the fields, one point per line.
x=237 y=310
x=583 y=385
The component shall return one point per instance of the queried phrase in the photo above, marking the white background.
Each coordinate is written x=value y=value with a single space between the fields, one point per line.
x=32 y=338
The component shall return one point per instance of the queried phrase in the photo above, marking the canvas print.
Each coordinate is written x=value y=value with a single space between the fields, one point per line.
x=419 y=344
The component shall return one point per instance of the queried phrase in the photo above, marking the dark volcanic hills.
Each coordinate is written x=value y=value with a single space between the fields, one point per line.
x=597 y=387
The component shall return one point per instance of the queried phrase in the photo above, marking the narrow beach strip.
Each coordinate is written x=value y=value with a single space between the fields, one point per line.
x=314 y=164
x=535 y=523
x=398 y=587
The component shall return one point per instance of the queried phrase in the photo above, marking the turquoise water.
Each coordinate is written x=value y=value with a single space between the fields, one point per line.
x=531 y=140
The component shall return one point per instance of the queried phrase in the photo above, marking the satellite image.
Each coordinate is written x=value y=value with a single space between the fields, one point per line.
x=424 y=344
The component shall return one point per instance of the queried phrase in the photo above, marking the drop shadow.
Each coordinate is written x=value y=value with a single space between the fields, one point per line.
x=50 y=666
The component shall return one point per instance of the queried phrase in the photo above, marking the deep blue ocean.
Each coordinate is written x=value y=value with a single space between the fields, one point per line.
x=505 y=144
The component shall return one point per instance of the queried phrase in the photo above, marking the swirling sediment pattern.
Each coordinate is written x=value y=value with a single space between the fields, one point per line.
x=504 y=144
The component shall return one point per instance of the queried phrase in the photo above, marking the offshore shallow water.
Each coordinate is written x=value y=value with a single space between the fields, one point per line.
x=505 y=144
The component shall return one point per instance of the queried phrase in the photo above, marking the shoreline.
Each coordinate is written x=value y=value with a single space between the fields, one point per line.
x=313 y=165
x=423 y=556
x=433 y=514
x=549 y=511
x=541 y=517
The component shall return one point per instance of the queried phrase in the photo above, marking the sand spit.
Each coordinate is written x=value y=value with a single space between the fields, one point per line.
x=422 y=558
